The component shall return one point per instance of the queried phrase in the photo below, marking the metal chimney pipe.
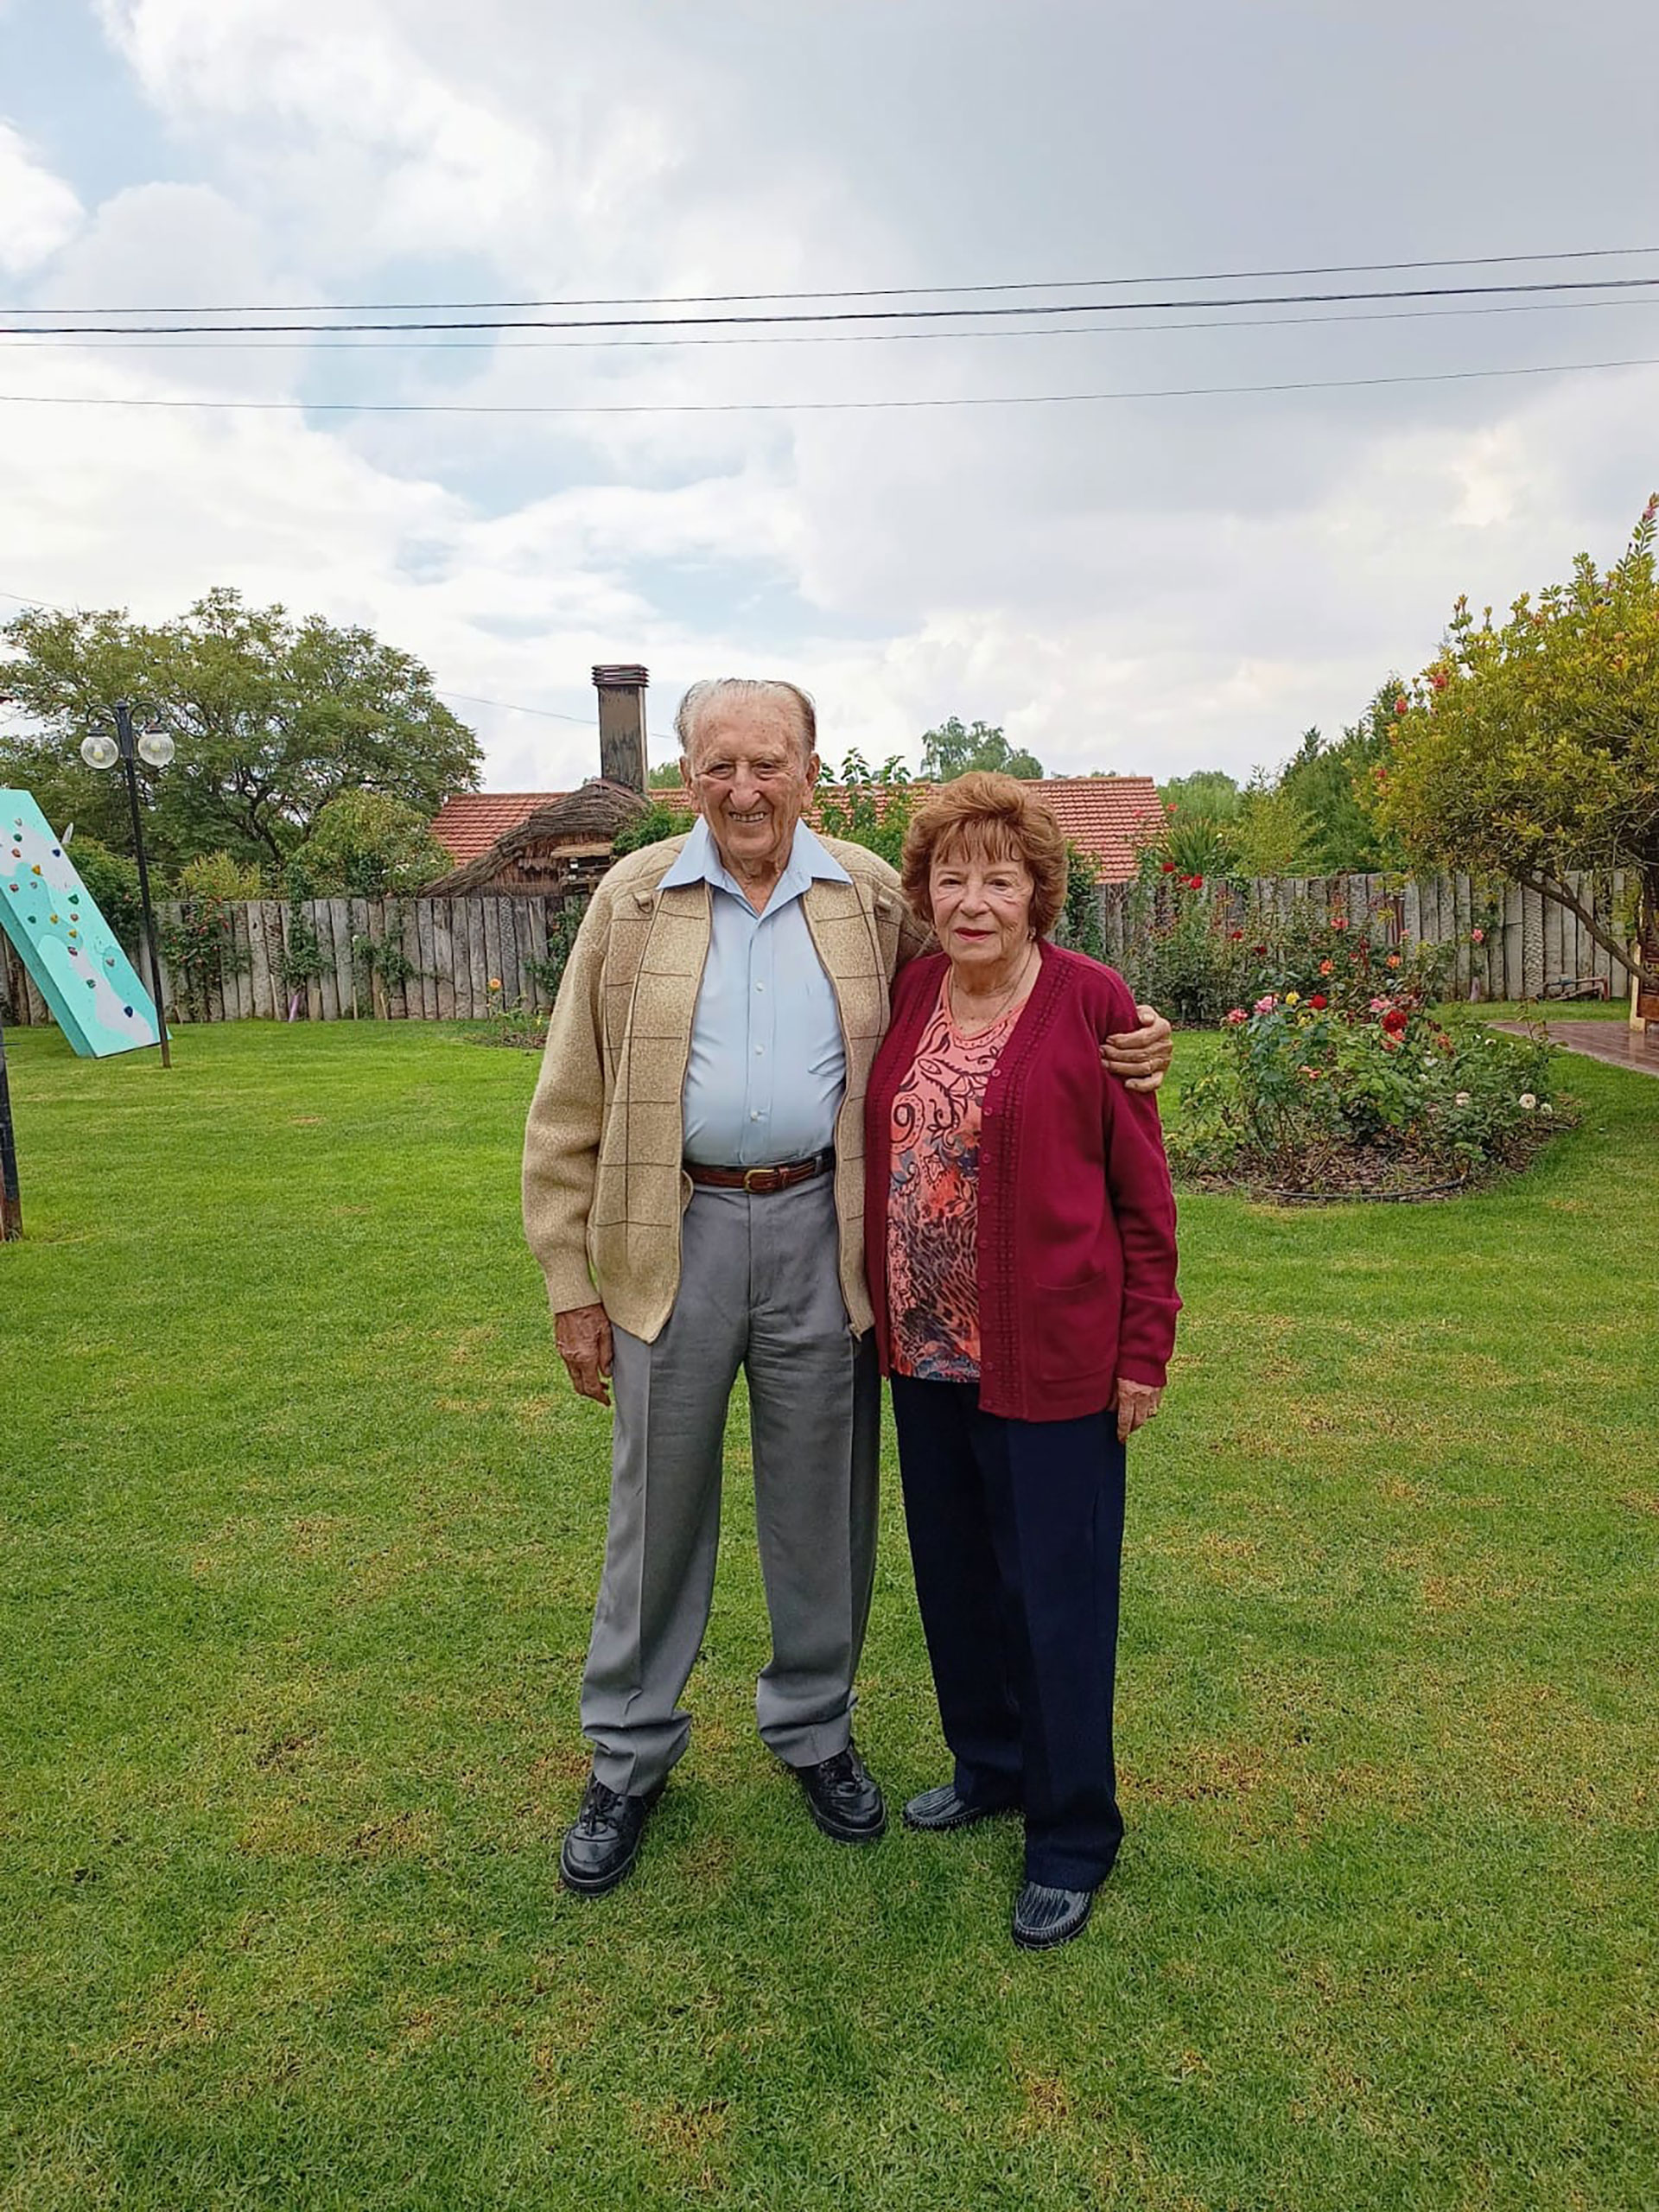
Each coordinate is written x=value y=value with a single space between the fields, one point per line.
x=622 y=755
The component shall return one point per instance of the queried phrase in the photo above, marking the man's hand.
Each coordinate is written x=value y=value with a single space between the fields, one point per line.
x=1136 y=1403
x=1141 y=1058
x=584 y=1337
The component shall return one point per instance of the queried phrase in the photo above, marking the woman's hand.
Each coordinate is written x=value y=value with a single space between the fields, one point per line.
x=1136 y=1403
x=584 y=1337
x=1140 y=1058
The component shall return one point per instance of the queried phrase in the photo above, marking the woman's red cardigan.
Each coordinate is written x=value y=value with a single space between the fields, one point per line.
x=1077 y=1220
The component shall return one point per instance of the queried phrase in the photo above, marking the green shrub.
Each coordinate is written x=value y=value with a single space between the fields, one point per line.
x=112 y=878
x=218 y=877
x=1313 y=1097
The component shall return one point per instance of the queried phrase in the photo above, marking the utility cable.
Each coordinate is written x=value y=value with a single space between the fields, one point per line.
x=40 y=341
x=877 y=292
x=811 y=406
x=876 y=315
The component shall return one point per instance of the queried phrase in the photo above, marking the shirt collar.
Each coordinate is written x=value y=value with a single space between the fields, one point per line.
x=700 y=862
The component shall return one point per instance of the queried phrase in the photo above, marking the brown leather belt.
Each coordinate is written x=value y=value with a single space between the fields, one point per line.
x=758 y=1181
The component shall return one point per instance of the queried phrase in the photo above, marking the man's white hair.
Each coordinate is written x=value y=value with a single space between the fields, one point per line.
x=722 y=691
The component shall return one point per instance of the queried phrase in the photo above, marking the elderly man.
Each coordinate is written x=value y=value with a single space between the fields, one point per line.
x=694 y=1190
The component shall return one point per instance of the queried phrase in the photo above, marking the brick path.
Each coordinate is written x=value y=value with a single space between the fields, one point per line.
x=1613 y=1041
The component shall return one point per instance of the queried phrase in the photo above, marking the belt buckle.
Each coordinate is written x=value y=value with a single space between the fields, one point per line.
x=755 y=1186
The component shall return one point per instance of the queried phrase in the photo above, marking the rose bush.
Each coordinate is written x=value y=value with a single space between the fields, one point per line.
x=1201 y=948
x=1386 y=1096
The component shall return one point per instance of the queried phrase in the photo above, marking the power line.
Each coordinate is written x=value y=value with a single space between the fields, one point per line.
x=507 y=706
x=814 y=406
x=878 y=292
x=27 y=341
x=875 y=315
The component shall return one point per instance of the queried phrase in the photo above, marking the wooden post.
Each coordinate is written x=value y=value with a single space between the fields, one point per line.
x=11 y=1205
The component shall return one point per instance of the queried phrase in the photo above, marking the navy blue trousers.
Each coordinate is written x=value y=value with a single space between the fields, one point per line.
x=1016 y=1535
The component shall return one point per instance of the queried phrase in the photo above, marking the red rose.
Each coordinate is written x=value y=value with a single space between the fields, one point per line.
x=1402 y=706
x=1195 y=883
x=1169 y=868
x=1396 y=1020
x=1236 y=936
x=1318 y=1002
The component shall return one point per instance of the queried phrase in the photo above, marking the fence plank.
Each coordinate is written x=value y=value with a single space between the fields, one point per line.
x=328 y=980
x=258 y=962
x=1510 y=929
x=479 y=969
x=1463 y=963
x=443 y=956
x=535 y=918
x=340 y=937
x=495 y=960
x=403 y=997
x=423 y=992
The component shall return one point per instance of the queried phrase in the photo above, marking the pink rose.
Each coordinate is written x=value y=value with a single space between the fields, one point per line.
x=1266 y=1005
x=1237 y=1015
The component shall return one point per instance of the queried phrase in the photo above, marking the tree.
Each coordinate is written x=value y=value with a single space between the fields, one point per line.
x=1531 y=748
x=951 y=751
x=368 y=845
x=1209 y=793
x=1331 y=785
x=273 y=717
x=1272 y=835
x=666 y=776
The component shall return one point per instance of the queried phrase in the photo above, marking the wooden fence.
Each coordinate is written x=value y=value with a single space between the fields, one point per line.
x=399 y=959
x=434 y=959
x=1528 y=945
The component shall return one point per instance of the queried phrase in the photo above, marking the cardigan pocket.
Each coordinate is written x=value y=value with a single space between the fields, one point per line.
x=1072 y=1328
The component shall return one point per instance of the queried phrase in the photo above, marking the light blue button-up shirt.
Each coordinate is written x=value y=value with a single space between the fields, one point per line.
x=768 y=1068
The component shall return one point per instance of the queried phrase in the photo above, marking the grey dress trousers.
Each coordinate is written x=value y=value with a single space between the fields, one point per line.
x=759 y=1291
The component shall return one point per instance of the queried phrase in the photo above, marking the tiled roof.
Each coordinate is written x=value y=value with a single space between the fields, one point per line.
x=1099 y=815
x=470 y=822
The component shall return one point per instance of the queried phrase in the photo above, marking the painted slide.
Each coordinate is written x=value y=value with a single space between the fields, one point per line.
x=66 y=945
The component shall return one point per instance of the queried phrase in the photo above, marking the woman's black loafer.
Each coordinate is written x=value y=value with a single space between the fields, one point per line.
x=1044 y=1917
x=935 y=1810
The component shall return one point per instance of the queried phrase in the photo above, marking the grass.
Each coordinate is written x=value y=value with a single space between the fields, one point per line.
x=301 y=1534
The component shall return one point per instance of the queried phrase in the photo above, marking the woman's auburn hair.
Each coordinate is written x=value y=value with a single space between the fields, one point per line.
x=993 y=817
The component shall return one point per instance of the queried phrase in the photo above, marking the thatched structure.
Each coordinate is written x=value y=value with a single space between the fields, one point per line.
x=563 y=847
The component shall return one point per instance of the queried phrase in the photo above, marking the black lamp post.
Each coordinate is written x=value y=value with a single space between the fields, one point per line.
x=128 y=746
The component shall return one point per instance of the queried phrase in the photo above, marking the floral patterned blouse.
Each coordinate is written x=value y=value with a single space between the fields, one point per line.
x=933 y=1206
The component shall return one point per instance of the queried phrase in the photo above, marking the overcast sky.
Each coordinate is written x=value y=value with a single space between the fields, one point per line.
x=1149 y=585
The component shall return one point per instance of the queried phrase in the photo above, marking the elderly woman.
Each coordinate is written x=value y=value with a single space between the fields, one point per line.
x=1020 y=1245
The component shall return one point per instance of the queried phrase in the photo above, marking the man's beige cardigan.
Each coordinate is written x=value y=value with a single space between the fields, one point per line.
x=604 y=1187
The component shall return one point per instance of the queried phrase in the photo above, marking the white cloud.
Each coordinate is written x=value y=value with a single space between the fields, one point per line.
x=38 y=211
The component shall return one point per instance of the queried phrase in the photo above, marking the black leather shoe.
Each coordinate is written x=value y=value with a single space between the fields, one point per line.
x=935 y=1810
x=601 y=1844
x=844 y=1797
x=1044 y=1917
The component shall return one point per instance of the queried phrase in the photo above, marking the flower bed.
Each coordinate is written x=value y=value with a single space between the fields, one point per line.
x=1323 y=1095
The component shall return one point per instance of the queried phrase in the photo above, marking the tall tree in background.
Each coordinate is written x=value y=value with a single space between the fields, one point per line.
x=1209 y=793
x=951 y=751
x=273 y=718
x=1332 y=786
x=1531 y=748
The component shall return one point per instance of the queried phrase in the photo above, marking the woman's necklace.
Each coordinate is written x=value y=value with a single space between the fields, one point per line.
x=1002 y=1005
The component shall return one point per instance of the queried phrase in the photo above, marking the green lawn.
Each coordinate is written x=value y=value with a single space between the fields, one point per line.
x=301 y=1534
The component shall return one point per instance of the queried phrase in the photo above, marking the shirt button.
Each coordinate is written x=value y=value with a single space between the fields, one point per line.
x=759 y=987
x=759 y=1051
x=754 y=1117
